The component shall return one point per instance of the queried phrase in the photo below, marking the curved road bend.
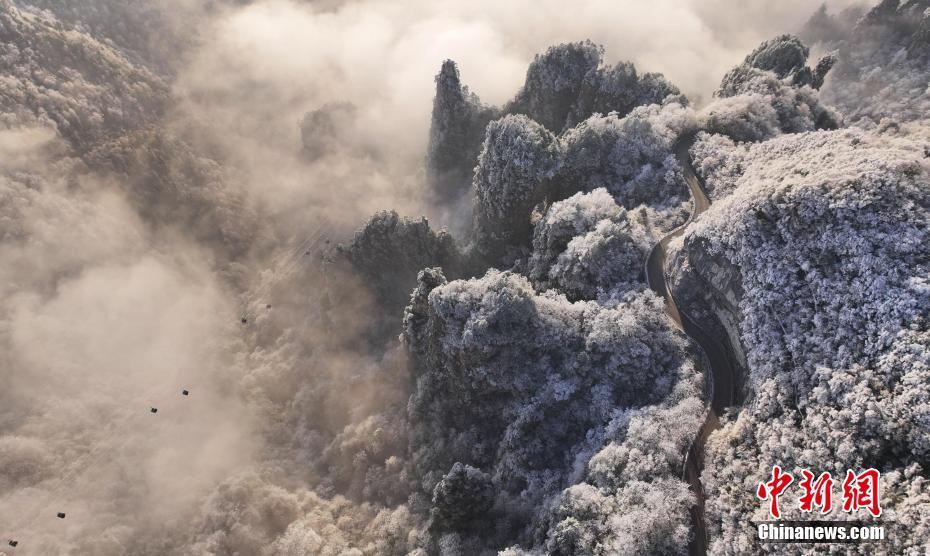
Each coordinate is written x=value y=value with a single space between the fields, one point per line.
x=721 y=383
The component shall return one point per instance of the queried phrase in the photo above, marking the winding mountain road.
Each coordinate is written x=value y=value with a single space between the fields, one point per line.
x=721 y=383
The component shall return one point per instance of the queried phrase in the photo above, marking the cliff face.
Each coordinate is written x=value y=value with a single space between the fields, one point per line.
x=708 y=288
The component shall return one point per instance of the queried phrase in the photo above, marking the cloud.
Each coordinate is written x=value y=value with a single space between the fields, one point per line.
x=99 y=321
x=260 y=67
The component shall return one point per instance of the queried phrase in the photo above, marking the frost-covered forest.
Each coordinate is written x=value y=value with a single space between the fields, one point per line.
x=828 y=233
x=185 y=206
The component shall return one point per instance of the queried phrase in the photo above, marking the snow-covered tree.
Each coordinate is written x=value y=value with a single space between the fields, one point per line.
x=155 y=31
x=456 y=131
x=771 y=92
x=462 y=496
x=564 y=86
x=745 y=118
x=631 y=157
x=58 y=77
x=785 y=56
x=719 y=162
x=568 y=83
x=389 y=251
x=620 y=89
x=826 y=234
x=527 y=388
x=555 y=80
x=523 y=167
x=880 y=79
x=514 y=172
x=588 y=247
